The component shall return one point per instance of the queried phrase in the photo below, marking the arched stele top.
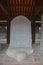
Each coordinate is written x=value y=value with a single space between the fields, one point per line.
x=20 y=32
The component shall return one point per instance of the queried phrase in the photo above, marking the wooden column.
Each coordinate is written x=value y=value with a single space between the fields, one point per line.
x=33 y=32
x=8 y=32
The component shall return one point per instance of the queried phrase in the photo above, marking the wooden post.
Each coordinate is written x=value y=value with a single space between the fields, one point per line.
x=8 y=32
x=33 y=32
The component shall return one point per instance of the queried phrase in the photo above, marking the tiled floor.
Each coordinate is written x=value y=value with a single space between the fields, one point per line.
x=34 y=59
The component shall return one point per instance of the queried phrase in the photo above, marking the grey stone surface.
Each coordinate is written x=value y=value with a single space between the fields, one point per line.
x=20 y=32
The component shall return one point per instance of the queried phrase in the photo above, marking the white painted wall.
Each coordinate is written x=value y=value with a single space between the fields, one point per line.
x=20 y=32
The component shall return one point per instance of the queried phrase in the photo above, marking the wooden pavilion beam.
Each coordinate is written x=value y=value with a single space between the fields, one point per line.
x=3 y=8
